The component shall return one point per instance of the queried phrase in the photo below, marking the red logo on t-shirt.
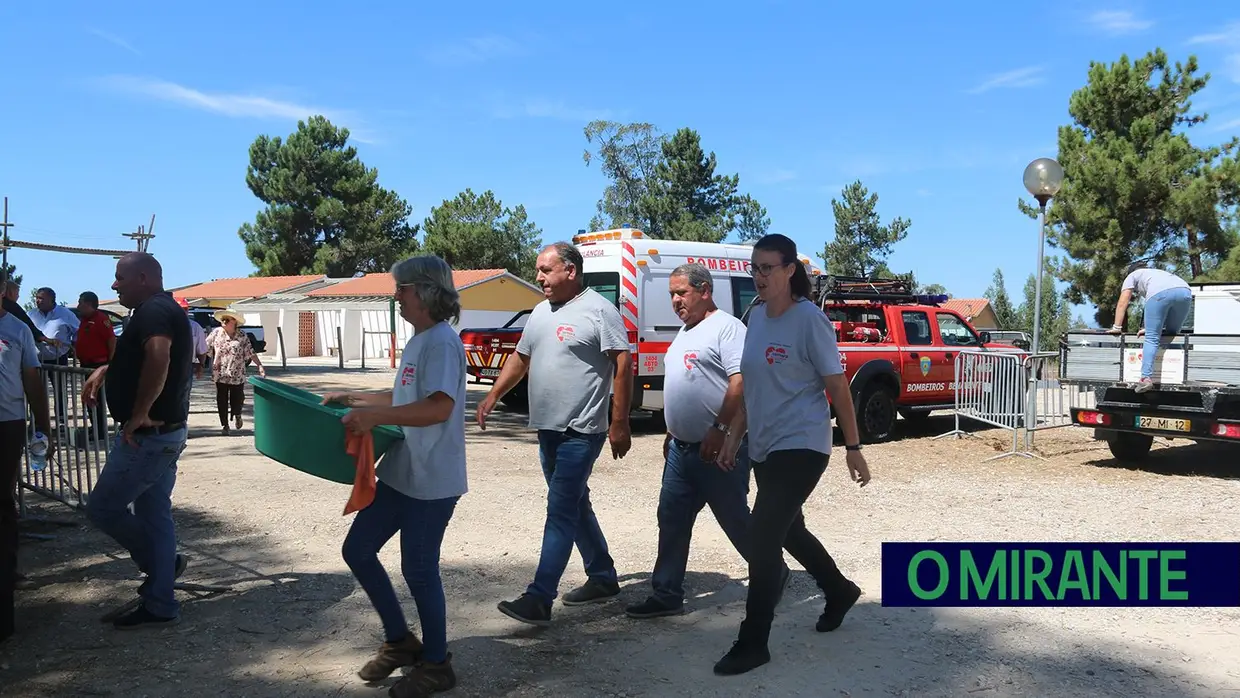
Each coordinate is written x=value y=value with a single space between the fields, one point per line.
x=776 y=354
x=690 y=360
x=4 y=346
x=565 y=332
x=406 y=376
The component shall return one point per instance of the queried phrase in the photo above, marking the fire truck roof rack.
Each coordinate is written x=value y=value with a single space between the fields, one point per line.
x=858 y=288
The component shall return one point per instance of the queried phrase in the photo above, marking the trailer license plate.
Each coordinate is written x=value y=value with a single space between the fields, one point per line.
x=490 y=372
x=1164 y=424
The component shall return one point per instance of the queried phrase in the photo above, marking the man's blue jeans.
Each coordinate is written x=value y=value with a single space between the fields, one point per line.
x=143 y=475
x=1165 y=312
x=422 y=523
x=689 y=483
x=567 y=460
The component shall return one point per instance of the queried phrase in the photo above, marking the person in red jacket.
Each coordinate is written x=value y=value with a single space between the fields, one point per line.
x=96 y=341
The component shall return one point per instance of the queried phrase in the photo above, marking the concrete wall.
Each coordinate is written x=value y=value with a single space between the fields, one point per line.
x=325 y=324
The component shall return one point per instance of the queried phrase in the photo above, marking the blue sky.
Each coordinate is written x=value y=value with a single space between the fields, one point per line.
x=110 y=115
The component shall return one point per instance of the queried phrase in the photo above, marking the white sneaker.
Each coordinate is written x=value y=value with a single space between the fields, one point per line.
x=1144 y=386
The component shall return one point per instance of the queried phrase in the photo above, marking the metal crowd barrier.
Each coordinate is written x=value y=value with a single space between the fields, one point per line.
x=81 y=436
x=989 y=388
x=1014 y=392
x=1050 y=400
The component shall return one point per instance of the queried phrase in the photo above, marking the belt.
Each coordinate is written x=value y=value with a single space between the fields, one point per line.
x=161 y=428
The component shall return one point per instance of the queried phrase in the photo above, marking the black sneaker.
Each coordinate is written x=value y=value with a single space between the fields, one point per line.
x=838 y=605
x=741 y=658
x=527 y=609
x=142 y=618
x=593 y=591
x=653 y=608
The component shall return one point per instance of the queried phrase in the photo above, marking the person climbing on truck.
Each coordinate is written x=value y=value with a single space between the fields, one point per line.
x=1168 y=300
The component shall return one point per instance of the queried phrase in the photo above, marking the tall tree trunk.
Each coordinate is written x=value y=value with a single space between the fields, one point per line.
x=1194 y=253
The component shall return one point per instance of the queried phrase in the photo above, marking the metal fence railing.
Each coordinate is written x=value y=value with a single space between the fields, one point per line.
x=81 y=436
x=1050 y=400
x=989 y=387
x=1014 y=392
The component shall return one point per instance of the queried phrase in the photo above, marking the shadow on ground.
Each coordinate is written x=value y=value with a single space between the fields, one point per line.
x=281 y=632
x=1181 y=458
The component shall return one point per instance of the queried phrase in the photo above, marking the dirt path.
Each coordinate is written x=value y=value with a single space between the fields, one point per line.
x=296 y=623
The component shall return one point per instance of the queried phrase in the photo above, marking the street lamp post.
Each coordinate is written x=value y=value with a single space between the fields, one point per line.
x=1043 y=178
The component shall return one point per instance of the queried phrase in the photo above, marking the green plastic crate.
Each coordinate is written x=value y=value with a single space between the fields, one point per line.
x=293 y=427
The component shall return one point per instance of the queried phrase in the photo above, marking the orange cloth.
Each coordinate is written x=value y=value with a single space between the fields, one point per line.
x=361 y=447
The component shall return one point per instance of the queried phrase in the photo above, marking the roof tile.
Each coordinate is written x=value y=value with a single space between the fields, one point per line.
x=247 y=287
x=968 y=307
x=381 y=283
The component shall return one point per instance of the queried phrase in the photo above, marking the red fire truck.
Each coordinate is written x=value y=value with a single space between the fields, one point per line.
x=898 y=348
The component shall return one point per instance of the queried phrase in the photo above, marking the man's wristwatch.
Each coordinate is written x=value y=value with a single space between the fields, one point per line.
x=721 y=427
x=852 y=448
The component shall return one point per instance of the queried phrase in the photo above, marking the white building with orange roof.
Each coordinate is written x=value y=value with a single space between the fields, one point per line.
x=356 y=316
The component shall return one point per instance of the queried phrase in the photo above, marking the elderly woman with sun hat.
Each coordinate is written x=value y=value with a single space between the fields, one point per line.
x=230 y=351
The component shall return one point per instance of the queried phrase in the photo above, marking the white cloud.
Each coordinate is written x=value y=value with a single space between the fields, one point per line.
x=1119 y=23
x=1229 y=35
x=776 y=177
x=237 y=106
x=1013 y=79
x=474 y=50
x=114 y=40
x=550 y=109
x=1230 y=38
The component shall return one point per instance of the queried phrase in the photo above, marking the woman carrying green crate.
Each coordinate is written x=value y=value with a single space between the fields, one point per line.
x=419 y=480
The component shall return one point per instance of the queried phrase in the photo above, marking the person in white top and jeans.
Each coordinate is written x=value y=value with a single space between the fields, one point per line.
x=1168 y=300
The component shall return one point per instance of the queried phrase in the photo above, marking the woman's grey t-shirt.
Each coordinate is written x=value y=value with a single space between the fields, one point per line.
x=430 y=463
x=570 y=372
x=783 y=366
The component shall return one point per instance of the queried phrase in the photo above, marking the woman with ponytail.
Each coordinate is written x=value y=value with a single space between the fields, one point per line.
x=790 y=356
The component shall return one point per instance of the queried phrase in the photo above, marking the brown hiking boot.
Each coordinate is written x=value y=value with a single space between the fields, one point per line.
x=425 y=679
x=392 y=656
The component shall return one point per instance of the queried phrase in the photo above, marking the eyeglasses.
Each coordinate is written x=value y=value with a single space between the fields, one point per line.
x=764 y=269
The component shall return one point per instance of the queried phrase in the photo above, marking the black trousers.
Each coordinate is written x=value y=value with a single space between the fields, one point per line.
x=12 y=445
x=229 y=396
x=785 y=481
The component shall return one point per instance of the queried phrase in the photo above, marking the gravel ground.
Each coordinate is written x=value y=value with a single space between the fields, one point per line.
x=296 y=623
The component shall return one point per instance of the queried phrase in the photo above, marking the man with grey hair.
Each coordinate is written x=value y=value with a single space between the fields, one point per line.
x=702 y=394
x=573 y=347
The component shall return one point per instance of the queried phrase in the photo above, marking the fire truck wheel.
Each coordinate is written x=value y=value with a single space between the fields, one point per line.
x=876 y=413
x=517 y=398
x=1128 y=447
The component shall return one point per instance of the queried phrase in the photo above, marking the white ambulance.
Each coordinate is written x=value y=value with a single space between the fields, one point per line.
x=632 y=271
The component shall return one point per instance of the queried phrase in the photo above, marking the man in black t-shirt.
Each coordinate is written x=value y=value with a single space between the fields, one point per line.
x=146 y=386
